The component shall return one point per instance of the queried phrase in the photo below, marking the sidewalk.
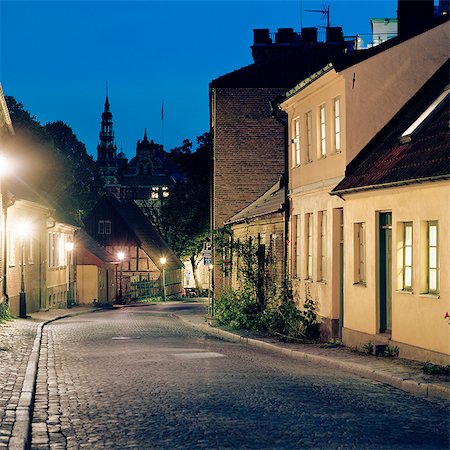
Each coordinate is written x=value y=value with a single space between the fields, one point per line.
x=19 y=351
x=399 y=373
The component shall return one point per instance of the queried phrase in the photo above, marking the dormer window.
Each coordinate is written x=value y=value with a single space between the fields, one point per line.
x=155 y=193
x=165 y=191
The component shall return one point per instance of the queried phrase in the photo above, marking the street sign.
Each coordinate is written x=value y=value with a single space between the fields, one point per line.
x=207 y=261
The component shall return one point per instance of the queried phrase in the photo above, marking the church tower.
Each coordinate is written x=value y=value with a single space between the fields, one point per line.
x=106 y=150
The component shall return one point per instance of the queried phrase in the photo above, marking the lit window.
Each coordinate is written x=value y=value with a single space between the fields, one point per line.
x=155 y=193
x=309 y=236
x=309 y=136
x=407 y=255
x=360 y=252
x=337 y=124
x=296 y=142
x=323 y=245
x=165 y=191
x=323 y=142
x=433 y=257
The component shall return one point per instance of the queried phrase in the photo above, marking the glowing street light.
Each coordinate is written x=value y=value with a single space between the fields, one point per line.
x=121 y=257
x=23 y=230
x=69 y=248
x=163 y=261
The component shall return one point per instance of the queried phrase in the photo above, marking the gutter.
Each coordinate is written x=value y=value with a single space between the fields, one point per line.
x=341 y=192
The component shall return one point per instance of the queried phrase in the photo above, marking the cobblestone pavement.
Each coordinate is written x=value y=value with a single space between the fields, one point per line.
x=16 y=342
x=137 y=378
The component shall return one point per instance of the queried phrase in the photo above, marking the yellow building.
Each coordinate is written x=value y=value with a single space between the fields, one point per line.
x=331 y=116
x=397 y=228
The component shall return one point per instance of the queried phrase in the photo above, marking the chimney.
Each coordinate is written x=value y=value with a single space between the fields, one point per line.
x=285 y=36
x=309 y=35
x=414 y=16
x=261 y=36
x=334 y=34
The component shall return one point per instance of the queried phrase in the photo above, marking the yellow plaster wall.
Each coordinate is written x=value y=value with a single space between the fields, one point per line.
x=378 y=87
x=87 y=284
x=326 y=292
x=417 y=319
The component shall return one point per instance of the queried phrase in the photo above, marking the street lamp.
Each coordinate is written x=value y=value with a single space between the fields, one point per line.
x=163 y=261
x=210 y=298
x=69 y=248
x=23 y=230
x=121 y=257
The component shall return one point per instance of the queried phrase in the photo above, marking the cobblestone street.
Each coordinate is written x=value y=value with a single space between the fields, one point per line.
x=140 y=378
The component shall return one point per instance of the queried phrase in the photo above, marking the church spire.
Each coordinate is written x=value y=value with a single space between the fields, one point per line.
x=106 y=148
x=145 y=135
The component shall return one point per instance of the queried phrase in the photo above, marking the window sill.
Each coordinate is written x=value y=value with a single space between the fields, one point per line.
x=360 y=284
x=429 y=295
x=404 y=291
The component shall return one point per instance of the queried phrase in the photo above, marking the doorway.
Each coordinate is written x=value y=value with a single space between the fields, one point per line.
x=385 y=271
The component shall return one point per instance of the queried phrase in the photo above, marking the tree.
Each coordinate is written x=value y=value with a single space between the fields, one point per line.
x=53 y=163
x=185 y=214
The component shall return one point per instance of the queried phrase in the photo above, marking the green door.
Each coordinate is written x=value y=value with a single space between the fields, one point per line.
x=385 y=271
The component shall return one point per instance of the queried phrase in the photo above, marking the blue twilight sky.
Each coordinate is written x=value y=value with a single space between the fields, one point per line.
x=56 y=56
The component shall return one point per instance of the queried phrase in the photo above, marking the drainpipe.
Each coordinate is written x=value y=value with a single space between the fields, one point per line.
x=280 y=117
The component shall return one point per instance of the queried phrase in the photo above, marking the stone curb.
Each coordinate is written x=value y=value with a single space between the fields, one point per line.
x=21 y=433
x=405 y=384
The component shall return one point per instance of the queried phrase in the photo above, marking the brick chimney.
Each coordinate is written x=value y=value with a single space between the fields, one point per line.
x=414 y=16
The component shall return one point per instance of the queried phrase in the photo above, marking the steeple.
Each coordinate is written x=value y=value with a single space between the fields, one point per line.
x=106 y=149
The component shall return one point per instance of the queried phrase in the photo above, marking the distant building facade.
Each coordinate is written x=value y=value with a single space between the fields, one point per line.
x=144 y=177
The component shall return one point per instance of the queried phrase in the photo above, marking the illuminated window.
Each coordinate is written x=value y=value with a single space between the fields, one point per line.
x=360 y=252
x=323 y=245
x=296 y=142
x=433 y=257
x=337 y=124
x=309 y=245
x=323 y=142
x=155 y=193
x=407 y=255
x=165 y=191
x=309 y=140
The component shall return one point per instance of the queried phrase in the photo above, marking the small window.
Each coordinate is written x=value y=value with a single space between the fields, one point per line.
x=407 y=255
x=323 y=140
x=101 y=227
x=165 y=191
x=433 y=258
x=309 y=150
x=296 y=142
x=360 y=253
x=337 y=124
x=107 y=227
x=309 y=246
x=323 y=245
x=155 y=193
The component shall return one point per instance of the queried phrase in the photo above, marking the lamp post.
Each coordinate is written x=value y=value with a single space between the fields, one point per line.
x=121 y=257
x=210 y=298
x=69 y=248
x=163 y=261
x=23 y=230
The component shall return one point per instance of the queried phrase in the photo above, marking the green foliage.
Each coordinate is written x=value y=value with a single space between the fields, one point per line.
x=368 y=348
x=52 y=165
x=5 y=314
x=259 y=304
x=390 y=352
x=334 y=343
x=435 y=369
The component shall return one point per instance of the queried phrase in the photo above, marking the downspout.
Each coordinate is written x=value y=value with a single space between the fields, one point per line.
x=280 y=117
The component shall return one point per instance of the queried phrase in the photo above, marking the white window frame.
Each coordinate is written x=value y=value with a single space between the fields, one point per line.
x=107 y=227
x=407 y=268
x=309 y=245
x=433 y=257
x=337 y=124
x=322 y=131
x=360 y=252
x=323 y=245
x=309 y=137
x=296 y=142
x=101 y=227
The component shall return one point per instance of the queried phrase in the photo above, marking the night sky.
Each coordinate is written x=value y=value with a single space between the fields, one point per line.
x=57 y=56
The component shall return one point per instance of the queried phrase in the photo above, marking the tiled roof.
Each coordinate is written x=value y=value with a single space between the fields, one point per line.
x=390 y=159
x=271 y=202
x=149 y=238
x=90 y=244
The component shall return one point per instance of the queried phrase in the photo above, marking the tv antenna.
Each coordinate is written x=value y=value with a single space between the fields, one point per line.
x=325 y=11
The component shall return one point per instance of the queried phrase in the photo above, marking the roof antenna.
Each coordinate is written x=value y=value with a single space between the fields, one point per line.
x=107 y=88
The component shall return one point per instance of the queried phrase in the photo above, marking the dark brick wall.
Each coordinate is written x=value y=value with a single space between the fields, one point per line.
x=248 y=148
